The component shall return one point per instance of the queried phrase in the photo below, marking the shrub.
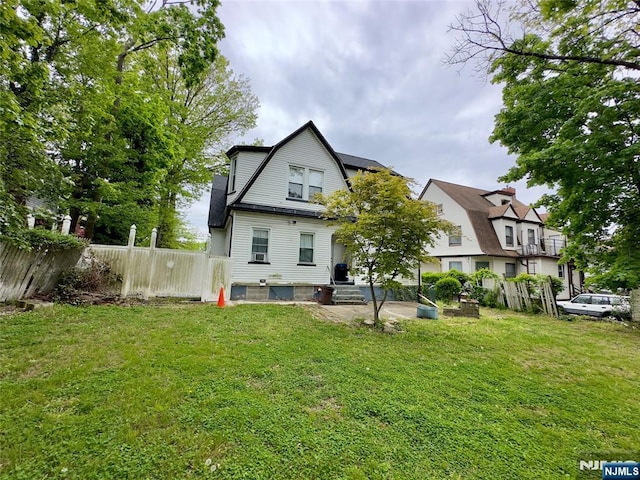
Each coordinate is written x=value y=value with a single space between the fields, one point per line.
x=76 y=284
x=447 y=287
x=429 y=279
x=479 y=275
x=39 y=239
x=458 y=275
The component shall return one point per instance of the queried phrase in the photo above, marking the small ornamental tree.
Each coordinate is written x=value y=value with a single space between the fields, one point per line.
x=385 y=230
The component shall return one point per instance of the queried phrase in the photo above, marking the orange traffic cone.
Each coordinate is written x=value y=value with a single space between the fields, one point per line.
x=221 y=298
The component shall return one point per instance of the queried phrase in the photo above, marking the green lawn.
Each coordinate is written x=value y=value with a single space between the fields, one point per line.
x=270 y=392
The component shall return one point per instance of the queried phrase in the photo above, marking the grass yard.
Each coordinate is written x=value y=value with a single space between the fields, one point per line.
x=270 y=392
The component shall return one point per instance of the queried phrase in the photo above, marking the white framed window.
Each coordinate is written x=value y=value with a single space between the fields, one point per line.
x=304 y=182
x=316 y=181
x=455 y=266
x=232 y=176
x=296 y=182
x=509 y=270
x=439 y=209
x=306 y=252
x=531 y=236
x=560 y=271
x=260 y=245
x=455 y=237
x=508 y=236
x=481 y=265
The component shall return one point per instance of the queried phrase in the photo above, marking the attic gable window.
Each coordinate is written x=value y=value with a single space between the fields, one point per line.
x=304 y=183
x=455 y=237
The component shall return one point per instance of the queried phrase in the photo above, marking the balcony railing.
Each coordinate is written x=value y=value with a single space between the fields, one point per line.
x=545 y=247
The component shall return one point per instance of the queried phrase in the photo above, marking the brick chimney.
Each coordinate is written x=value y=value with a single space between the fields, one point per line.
x=509 y=191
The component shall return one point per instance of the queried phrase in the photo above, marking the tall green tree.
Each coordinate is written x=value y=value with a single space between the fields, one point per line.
x=75 y=102
x=571 y=115
x=385 y=230
x=203 y=117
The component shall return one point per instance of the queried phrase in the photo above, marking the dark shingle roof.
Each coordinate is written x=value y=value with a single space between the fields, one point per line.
x=218 y=202
x=358 y=163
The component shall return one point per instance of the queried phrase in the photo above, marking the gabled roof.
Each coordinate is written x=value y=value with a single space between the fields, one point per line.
x=481 y=212
x=500 y=211
x=219 y=210
x=309 y=125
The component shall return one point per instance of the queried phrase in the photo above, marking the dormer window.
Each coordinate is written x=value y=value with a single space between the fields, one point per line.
x=508 y=236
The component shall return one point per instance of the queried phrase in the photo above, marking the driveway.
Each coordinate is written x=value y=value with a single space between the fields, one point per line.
x=348 y=313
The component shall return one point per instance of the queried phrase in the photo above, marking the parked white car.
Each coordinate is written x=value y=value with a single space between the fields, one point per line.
x=597 y=305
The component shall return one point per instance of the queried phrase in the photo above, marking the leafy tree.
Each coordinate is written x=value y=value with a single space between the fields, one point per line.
x=385 y=230
x=571 y=115
x=75 y=107
x=202 y=117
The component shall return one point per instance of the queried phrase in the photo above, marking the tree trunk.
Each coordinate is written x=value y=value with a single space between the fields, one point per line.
x=376 y=318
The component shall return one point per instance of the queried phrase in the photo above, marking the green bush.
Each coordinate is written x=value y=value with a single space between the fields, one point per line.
x=429 y=279
x=479 y=275
x=458 y=275
x=447 y=287
x=40 y=239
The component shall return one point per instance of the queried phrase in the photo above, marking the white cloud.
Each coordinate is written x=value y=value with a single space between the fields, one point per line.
x=369 y=73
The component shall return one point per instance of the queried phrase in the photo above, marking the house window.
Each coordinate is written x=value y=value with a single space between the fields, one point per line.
x=296 y=182
x=455 y=237
x=439 y=209
x=455 y=266
x=509 y=270
x=531 y=236
x=260 y=245
x=306 y=248
x=316 y=179
x=508 y=233
x=304 y=183
x=481 y=265
x=560 y=271
x=232 y=176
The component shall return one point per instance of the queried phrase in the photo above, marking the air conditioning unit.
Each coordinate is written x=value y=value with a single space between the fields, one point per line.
x=259 y=257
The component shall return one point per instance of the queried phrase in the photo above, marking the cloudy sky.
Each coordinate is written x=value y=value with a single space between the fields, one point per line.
x=370 y=75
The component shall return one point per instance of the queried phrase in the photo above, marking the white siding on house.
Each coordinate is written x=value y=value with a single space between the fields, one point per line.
x=304 y=150
x=499 y=226
x=218 y=242
x=458 y=216
x=246 y=164
x=498 y=198
x=284 y=244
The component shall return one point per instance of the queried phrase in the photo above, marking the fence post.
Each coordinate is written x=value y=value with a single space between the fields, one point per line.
x=126 y=285
x=208 y=263
x=66 y=225
x=152 y=262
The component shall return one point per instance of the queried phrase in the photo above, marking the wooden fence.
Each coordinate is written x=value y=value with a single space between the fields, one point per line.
x=516 y=296
x=24 y=273
x=160 y=272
